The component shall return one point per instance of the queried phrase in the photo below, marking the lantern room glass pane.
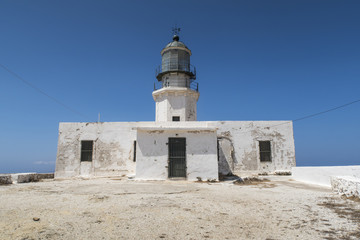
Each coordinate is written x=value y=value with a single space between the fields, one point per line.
x=176 y=60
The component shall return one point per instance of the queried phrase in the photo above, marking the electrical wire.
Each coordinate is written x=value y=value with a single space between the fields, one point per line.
x=326 y=111
x=314 y=114
x=41 y=91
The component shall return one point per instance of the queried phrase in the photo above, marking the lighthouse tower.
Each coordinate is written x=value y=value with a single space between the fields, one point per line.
x=177 y=97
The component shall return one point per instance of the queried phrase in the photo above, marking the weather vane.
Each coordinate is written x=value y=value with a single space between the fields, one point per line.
x=176 y=30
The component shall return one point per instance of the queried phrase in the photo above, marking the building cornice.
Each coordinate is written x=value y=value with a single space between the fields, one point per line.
x=175 y=91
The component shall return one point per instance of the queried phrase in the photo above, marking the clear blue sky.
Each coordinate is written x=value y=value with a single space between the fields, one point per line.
x=255 y=60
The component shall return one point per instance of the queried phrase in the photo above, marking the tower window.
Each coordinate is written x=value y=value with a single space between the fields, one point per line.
x=265 y=151
x=176 y=118
x=86 y=151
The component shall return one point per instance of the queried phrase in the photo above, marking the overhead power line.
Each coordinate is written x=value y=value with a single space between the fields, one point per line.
x=326 y=111
x=41 y=91
x=312 y=115
x=317 y=114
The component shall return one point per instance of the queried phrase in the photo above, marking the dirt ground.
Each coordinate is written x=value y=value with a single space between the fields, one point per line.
x=115 y=208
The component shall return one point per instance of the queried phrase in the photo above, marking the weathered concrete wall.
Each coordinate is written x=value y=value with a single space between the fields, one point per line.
x=113 y=146
x=201 y=152
x=346 y=185
x=239 y=145
x=322 y=175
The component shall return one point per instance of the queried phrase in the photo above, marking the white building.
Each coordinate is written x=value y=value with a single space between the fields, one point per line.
x=175 y=145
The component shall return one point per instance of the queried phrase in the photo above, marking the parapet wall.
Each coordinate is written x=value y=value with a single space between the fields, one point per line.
x=322 y=175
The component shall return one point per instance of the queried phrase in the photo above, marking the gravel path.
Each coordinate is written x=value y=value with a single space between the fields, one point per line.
x=123 y=209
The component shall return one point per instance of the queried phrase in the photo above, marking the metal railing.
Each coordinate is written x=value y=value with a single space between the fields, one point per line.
x=175 y=67
x=177 y=83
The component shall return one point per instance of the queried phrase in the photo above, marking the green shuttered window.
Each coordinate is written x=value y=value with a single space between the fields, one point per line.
x=265 y=151
x=86 y=151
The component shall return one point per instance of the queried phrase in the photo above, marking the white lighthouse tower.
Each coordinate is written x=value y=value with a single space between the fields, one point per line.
x=176 y=99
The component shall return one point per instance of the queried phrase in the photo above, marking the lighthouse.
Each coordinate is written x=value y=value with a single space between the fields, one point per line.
x=178 y=94
x=175 y=145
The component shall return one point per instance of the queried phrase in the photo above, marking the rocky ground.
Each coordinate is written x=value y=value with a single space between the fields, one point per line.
x=116 y=208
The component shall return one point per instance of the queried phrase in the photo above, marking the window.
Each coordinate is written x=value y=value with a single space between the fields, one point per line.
x=265 y=151
x=134 y=159
x=86 y=150
x=176 y=119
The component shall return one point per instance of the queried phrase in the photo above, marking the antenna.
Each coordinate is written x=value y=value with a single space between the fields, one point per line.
x=98 y=117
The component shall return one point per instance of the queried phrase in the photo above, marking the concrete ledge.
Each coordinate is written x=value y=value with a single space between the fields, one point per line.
x=5 y=179
x=346 y=186
x=321 y=175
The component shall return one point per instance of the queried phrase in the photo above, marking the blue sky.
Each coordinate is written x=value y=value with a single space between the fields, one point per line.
x=255 y=60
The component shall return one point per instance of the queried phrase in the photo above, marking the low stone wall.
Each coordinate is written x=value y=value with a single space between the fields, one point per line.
x=45 y=176
x=321 y=175
x=5 y=179
x=31 y=177
x=24 y=177
x=346 y=186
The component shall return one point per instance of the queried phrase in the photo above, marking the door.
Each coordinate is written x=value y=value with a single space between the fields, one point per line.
x=177 y=157
x=225 y=156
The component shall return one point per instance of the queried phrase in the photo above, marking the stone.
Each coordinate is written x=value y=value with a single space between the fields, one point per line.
x=283 y=173
x=5 y=179
x=347 y=186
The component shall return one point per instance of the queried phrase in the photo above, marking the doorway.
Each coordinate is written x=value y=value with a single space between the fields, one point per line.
x=177 y=157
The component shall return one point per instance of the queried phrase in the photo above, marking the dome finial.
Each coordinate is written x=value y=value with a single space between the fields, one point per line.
x=176 y=38
x=176 y=31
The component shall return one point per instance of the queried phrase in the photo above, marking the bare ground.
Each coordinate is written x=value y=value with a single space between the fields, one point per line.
x=122 y=209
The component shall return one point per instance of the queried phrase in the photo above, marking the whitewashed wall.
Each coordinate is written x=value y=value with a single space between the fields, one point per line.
x=113 y=146
x=113 y=149
x=322 y=175
x=152 y=152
